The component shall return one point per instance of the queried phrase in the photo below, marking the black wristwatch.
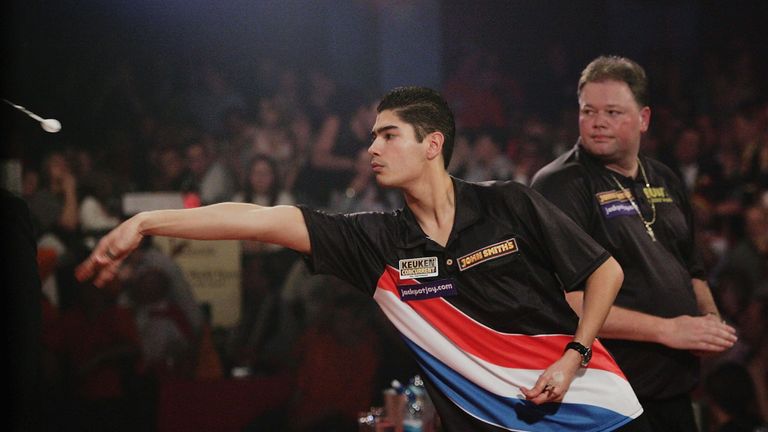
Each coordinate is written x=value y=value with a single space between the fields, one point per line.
x=586 y=353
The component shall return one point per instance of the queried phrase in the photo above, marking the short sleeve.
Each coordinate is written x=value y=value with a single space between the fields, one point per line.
x=691 y=255
x=346 y=246
x=572 y=253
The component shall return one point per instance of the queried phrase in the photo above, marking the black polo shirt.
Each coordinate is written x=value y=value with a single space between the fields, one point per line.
x=657 y=274
x=486 y=313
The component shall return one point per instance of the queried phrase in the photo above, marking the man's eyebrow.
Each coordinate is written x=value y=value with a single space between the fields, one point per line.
x=607 y=106
x=377 y=132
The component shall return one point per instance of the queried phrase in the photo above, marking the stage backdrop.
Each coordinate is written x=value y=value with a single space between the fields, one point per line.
x=213 y=270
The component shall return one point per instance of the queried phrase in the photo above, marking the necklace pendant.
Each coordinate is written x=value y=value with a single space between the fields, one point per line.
x=650 y=232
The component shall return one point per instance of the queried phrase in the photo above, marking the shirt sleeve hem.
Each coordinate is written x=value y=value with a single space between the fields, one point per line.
x=576 y=284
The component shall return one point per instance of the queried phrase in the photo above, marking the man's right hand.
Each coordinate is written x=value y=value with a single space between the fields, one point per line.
x=104 y=262
x=702 y=334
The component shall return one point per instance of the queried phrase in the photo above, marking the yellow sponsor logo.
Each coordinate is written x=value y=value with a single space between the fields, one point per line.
x=611 y=196
x=656 y=195
x=497 y=250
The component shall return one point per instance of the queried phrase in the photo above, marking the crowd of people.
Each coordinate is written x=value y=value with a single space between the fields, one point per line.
x=300 y=137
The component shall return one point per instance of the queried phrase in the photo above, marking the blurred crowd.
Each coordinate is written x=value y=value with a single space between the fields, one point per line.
x=297 y=136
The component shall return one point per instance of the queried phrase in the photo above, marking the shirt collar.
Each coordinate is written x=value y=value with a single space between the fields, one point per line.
x=597 y=165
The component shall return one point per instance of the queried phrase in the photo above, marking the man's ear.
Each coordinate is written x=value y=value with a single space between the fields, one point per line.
x=645 y=118
x=435 y=142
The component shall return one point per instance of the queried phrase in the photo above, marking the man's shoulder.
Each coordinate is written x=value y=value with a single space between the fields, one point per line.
x=659 y=167
x=499 y=188
x=565 y=171
x=367 y=219
x=562 y=174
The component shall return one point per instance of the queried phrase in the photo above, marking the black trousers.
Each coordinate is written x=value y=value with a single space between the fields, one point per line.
x=674 y=414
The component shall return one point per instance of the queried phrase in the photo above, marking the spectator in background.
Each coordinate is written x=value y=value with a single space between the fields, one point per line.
x=271 y=136
x=752 y=142
x=168 y=170
x=263 y=184
x=207 y=173
x=733 y=404
x=302 y=136
x=211 y=96
x=749 y=257
x=100 y=206
x=481 y=92
x=332 y=158
x=240 y=137
x=322 y=95
x=55 y=210
x=487 y=161
x=149 y=257
x=264 y=187
x=264 y=265
x=363 y=193
x=167 y=337
x=328 y=397
x=99 y=346
x=54 y=206
x=286 y=95
x=686 y=158
x=462 y=152
x=531 y=149
x=752 y=324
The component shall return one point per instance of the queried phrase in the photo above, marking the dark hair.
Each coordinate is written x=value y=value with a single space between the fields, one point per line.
x=615 y=68
x=425 y=110
x=274 y=189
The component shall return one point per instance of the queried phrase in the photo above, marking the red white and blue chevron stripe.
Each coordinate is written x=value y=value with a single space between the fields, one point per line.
x=481 y=370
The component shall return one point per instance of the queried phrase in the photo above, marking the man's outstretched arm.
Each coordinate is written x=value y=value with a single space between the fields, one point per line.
x=282 y=225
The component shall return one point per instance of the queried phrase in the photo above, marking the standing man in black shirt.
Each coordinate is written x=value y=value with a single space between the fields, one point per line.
x=664 y=315
x=472 y=275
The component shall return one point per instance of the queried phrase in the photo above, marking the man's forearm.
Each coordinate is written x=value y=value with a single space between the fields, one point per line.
x=283 y=225
x=600 y=291
x=704 y=297
x=695 y=333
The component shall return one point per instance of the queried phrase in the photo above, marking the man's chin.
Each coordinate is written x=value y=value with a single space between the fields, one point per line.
x=383 y=183
x=600 y=150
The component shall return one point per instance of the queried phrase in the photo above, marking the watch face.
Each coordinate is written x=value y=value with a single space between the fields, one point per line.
x=586 y=353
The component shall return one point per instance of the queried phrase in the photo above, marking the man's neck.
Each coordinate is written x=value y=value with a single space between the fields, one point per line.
x=627 y=167
x=433 y=203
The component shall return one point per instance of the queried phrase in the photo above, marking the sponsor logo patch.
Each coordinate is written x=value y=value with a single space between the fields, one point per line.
x=657 y=195
x=417 y=267
x=428 y=290
x=614 y=203
x=487 y=253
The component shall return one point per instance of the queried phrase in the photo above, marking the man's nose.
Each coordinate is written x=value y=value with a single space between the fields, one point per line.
x=373 y=149
x=600 y=120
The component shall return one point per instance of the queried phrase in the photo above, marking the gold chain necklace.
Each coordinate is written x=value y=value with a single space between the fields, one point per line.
x=628 y=195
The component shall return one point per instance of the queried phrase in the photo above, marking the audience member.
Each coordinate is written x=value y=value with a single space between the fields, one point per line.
x=99 y=347
x=362 y=193
x=168 y=170
x=208 y=175
x=332 y=158
x=731 y=394
x=54 y=206
x=488 y=162
x=263 y=265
